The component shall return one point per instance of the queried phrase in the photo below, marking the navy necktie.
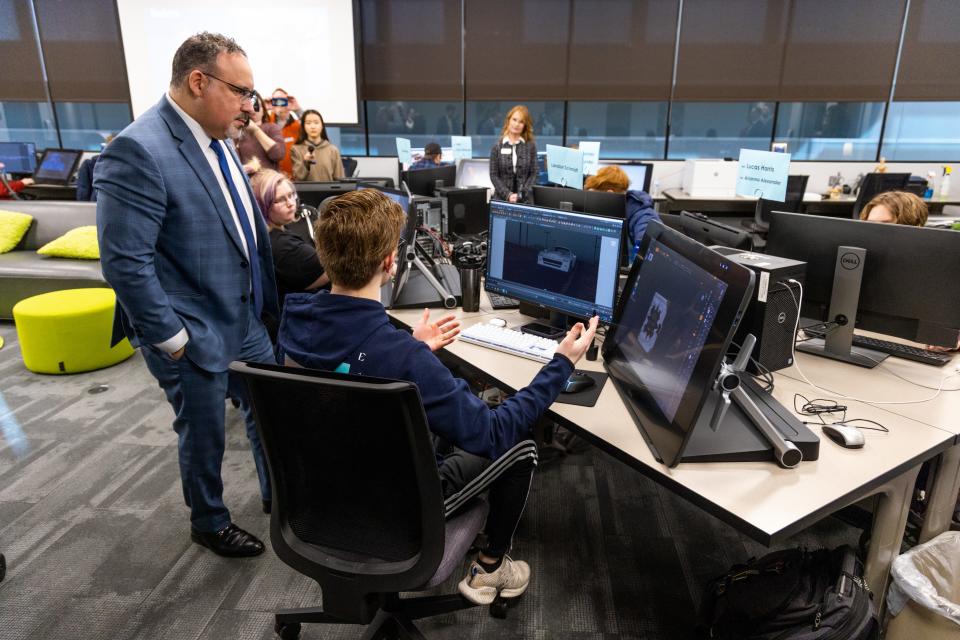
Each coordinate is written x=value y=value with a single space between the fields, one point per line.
x=248 y=234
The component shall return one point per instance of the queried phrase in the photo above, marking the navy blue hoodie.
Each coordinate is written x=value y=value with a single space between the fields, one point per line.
x=354 y=335
x=640 y=212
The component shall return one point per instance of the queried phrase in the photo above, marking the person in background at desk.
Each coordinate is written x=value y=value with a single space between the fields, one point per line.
x=347 y=330
x=284 y=114
x=432 y=156
x=85 y=190
x=513 y=160
x=640 y=209
x=314 y=157
x=260 y=145
x=295 y=261
x=899 y=207
x=16 y=186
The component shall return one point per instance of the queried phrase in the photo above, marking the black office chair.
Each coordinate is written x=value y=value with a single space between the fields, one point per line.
x=349 y=166
x=796 y=187
x=357 y=503
x=874 y=184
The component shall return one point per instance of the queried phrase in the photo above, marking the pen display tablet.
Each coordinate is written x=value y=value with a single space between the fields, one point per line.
x=672 y=326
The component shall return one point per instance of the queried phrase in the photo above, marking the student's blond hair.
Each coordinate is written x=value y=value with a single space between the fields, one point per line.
x=907 y=208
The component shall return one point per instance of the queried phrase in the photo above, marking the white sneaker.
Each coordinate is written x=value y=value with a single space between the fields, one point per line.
x=509 y=580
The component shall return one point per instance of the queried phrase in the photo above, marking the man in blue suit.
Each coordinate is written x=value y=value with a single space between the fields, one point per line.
x=187 y=251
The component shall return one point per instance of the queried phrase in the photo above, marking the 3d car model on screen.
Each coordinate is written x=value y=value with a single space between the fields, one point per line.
x=559 y=258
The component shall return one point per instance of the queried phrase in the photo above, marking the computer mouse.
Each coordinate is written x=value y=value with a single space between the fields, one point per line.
x=578 y=381
x=497 y=322
x=844 y=435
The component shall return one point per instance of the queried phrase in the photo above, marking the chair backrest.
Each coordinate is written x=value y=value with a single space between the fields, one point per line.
x=876 y=183
x=349 y=166
x=796 y=187
x=357 y=502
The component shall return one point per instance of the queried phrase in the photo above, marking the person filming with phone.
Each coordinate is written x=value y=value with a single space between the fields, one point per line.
x=260 y=145
x=314 y=157
x=284 y=112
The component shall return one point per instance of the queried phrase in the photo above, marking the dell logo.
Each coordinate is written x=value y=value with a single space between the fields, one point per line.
x=850 y=261
x=781 y=317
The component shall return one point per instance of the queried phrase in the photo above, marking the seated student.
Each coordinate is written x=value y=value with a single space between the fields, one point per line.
x=640 y=209
x=346 y=329
x=432 y=155
x=295 y=260
x=899 y=207
x=16 y=186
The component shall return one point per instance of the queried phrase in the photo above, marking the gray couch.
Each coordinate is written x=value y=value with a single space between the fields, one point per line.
x=24 y=273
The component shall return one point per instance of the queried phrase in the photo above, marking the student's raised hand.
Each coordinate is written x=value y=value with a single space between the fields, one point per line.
x=578 y=340
x=437 y=334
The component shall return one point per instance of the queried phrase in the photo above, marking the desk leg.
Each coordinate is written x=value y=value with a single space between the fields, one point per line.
x=943 y=495
x=889 y=523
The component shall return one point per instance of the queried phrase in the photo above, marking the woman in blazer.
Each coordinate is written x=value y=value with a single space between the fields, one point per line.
x=513 y=160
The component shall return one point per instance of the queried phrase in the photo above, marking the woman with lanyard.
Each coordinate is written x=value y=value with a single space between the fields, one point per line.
x=513 y=160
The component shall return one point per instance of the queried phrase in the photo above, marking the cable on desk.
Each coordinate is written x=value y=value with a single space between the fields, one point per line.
x=765 y=376
x=796 y=364
x=820 y=407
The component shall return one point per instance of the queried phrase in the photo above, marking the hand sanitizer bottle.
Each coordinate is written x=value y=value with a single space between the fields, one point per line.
x=945 y=182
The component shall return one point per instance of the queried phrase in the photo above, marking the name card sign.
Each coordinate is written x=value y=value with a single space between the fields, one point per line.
x=462 y=147
x=591 y=157
x=565 y=166
x=403 y=151
x=763 y=174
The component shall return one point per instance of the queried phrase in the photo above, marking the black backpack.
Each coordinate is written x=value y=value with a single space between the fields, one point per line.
x=791 y=595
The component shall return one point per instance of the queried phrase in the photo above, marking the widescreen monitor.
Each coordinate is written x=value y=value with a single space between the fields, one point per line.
x=423 y=182
x=672 y=328
x=910 y=288
x=57 y=166
x=314 y=193
x=604 y=203
x=639 y=173
x=564 y=261
x=18 y=157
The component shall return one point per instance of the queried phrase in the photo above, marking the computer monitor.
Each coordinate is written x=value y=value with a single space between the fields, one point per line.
x=796 y=187
x=57 y=166
x=18 y=157
x=710 y=232
x=372 y=182
x=314 y=193
x=908 y=277
x=564 y=261
x=474 y=172
x=672 y=328
x=876 y=183
x=602 y=203
x=423 y=182
x=640 y=174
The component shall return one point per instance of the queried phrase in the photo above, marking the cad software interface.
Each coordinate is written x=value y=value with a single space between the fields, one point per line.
x=665 y=323
x=562 y=260
x=18 y=157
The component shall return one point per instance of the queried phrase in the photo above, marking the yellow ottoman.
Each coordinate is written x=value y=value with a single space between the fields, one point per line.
x=69 y=331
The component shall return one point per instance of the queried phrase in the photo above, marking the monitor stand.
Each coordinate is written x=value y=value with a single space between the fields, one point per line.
x=837 y=344
x=434 y=285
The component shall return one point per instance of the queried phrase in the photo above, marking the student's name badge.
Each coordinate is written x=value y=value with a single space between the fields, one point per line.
x=506 y=151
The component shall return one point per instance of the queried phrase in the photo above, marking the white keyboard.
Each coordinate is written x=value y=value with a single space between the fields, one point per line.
x=520 y=344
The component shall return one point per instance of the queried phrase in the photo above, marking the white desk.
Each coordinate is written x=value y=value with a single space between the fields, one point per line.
x=882 y=384
x=759 y=499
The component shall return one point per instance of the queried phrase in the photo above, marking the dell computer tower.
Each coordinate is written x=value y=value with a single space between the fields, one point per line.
x=465 y=210
x=771 y=315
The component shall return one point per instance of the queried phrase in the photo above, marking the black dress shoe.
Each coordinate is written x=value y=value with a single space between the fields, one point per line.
x=267 y=506
x=230 y=542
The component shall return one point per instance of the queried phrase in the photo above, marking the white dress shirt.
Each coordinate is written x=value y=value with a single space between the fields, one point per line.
x=513 y=150
x=176 y=342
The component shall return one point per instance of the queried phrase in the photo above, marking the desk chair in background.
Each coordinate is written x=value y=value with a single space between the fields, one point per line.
x=349 y=166
x=796 y=187
x=357 y=502
x=876 y=183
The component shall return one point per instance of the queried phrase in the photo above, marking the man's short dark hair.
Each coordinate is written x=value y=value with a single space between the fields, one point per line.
x=200 y=51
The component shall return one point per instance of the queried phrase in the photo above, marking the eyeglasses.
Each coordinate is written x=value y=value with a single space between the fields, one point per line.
x=248 y=95
x=290 y=197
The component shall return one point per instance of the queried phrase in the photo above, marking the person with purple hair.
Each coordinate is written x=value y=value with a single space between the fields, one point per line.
x=295 y=260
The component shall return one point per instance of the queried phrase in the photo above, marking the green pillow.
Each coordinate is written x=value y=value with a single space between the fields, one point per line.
x=76 y=243
x=13 y=226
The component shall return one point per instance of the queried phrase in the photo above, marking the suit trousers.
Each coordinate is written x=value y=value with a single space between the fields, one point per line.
x=197 y=397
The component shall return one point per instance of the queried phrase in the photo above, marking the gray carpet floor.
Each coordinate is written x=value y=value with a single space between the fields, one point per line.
x=96 y=536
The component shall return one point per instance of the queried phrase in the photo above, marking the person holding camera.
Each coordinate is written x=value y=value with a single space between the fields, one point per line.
x=314 y=157
x=260 y=145
x=284 y=110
